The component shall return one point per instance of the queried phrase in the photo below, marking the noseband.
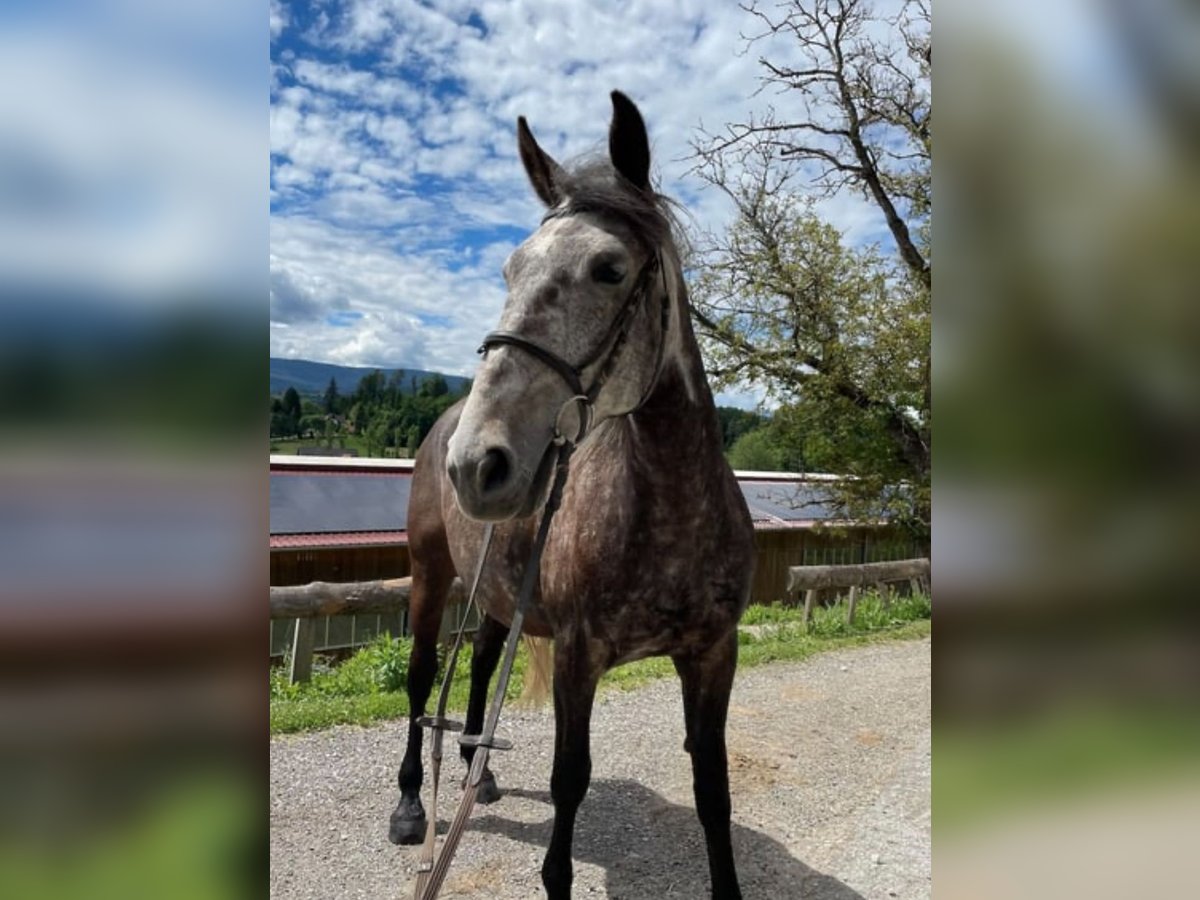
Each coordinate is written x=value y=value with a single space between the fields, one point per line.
x=608 y=350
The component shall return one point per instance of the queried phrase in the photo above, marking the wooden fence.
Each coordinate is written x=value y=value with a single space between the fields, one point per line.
x=306 y=603
x=810 y=579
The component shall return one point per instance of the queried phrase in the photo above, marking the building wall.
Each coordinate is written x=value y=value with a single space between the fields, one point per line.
x=778 y=550
x=339 y=564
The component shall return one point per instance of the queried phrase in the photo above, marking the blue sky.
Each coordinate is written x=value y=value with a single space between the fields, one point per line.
x=396 y=191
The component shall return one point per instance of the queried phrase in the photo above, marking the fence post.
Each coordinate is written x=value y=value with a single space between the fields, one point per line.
x=851 y=604
x=810 y=597
x=302 y=650
x=450 y=618
x=885 y=594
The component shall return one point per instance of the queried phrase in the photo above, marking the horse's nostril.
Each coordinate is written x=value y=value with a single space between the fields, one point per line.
x=453 y=471
x=493 y=470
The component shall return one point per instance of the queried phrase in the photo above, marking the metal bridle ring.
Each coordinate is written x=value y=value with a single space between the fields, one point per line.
x=584 y=408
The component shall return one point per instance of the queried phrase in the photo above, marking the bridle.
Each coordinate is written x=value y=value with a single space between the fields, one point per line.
x=607 y=351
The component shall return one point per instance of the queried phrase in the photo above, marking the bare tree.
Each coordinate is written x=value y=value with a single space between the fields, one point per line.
x=839 y=335
x=858 y=108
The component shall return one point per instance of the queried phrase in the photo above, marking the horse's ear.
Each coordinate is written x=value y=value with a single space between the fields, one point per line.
x=544 y=173
x=628 y=145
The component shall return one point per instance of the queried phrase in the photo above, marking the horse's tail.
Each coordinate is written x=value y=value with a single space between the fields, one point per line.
x=538 y=672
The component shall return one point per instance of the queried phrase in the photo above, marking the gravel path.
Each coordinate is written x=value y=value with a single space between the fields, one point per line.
x=829 y=766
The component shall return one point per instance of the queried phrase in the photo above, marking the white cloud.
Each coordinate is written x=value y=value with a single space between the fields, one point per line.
x=329 y=269
x=278 y=20
x=430 y=131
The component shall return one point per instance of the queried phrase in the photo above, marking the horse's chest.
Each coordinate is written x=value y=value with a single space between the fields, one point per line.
x=644 y=591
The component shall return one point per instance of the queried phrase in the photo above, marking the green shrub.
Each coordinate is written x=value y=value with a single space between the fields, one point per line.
x=379 y=667
x=280 y=689
x=387 y=658
x=870 y=614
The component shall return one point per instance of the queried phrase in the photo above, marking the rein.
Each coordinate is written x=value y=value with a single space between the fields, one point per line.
x=431 y=871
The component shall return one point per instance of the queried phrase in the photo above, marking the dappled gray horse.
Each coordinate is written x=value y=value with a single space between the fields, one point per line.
x=651 y=552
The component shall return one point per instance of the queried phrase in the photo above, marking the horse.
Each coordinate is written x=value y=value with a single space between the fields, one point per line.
x=652 y=547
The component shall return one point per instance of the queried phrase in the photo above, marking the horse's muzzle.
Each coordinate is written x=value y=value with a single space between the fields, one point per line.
x=492 y=487
x=486 y=483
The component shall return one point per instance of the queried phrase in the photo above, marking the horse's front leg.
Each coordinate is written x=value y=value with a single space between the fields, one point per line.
x=575 y=682
x=707 y=681
x=489 y=643
x=430 y=585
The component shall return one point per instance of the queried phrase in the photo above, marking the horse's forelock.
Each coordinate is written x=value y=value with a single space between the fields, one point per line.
x=592 y=185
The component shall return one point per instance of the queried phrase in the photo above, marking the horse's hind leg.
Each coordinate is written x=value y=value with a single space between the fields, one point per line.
x=485 y=655
x=707 y=681
x=432 y=573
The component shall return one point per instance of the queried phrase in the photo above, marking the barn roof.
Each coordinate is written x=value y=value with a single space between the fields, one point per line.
x=329 y=502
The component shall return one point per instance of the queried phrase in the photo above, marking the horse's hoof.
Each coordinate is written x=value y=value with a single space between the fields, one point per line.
x=406 y=831
x=407 y=825
x=487 y=791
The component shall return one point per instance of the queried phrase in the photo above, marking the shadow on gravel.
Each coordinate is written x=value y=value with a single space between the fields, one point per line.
x=651 y=849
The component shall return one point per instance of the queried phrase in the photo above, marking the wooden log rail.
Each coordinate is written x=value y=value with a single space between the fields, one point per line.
x=349 y=598
x=810 y=579
x=307 y=602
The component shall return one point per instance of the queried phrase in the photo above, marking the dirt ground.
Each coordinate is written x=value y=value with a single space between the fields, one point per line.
x=829 y=768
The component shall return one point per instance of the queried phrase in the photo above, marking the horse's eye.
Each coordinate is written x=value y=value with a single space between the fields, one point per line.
x=608 y=273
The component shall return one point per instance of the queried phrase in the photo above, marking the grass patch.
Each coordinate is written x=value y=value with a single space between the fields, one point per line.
x=369 y=687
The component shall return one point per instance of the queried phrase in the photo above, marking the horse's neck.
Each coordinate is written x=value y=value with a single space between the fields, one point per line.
x=676 y=430
x=678 y=422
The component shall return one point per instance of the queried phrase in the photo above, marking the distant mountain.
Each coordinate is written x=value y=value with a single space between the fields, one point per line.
x=311 y=378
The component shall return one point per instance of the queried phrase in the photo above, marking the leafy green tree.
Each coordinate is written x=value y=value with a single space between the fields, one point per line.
x=291 y=403
x=312 y=425
x=382 y=411
x=359 y=417
x=756 y=451
x=433 y=386
x=332 y=401
x=838 y=336
x=281 y=425
x=395 y=388
x=370 y=388
x=376 y=437
x=292 y=411
x=736 y=422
